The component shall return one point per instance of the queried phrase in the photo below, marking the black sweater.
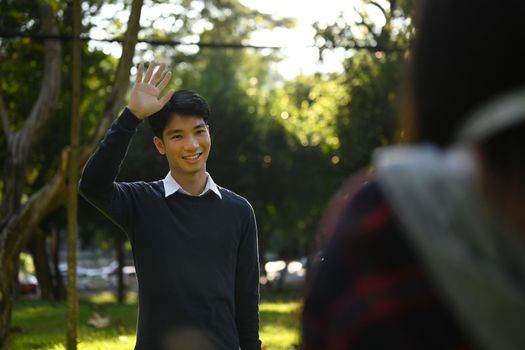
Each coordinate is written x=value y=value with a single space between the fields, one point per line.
x=196 y=257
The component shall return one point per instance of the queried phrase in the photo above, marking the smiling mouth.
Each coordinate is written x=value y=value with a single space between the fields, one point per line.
x=193 y=156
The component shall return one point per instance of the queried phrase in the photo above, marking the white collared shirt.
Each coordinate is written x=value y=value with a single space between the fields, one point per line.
x=171 y=186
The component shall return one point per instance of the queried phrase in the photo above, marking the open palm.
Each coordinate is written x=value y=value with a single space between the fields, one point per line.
x=146 y=94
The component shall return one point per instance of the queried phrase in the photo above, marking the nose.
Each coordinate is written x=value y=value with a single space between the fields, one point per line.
x=191 y=143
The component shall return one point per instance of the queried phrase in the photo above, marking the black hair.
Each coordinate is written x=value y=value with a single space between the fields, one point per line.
x=465 y=54
x=182 y=103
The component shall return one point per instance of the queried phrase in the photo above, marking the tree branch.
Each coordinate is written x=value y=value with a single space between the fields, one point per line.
x=51 y=81
x=4 y=115
x=393 y=6
x=115 y=99
x=121 y=82
x=368 y=25
x=381 y=8
x=24 y=222
x=22 y=140
x=20 y=225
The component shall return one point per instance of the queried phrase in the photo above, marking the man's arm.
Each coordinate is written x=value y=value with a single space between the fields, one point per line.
x=97 y=183
x=247 y=287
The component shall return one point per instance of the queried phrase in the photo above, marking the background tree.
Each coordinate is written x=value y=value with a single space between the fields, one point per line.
x=21 y=212
x=288 y=147
x=38 y=188
x=377 y=43
x=284 y=146
x=72 y=187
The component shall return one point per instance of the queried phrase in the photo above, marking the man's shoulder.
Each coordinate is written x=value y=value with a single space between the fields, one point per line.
x=143 y=188
x=233 y=198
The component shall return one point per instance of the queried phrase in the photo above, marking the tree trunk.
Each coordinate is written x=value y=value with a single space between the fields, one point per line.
x=59 y=289
x=15 y=216
x=72 y=191
x=38 y=249
x=14 y=237
x=12 y=191
x=17 y=226
x=19 y=143
x=7 y=272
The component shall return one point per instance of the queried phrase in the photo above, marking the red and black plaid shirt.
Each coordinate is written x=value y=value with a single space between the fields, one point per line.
x=370 y=291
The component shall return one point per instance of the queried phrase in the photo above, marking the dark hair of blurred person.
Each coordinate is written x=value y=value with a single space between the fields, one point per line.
x=429 y=253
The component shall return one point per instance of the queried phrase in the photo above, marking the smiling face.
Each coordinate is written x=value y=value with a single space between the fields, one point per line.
x=186 y=143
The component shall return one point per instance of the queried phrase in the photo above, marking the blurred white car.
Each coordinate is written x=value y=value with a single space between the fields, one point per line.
x=295 y=271
x=27 y=284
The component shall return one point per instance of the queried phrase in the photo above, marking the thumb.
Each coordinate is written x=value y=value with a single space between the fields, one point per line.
x=164 y=99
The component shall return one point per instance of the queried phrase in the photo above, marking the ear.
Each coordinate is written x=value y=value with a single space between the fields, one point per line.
x=159 y=145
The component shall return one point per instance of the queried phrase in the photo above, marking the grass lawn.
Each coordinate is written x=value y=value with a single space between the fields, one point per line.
x=41 y=325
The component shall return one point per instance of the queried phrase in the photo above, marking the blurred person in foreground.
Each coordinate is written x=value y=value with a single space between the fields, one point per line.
x=429 y=252
x=194 y=242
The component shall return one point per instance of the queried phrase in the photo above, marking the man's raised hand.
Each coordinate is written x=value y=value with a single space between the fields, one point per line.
x=145 y=97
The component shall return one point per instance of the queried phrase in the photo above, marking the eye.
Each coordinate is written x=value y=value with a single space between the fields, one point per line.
x=201 y=131
x=176 y=137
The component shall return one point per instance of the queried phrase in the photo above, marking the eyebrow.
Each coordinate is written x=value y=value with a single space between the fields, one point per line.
x=174 y=131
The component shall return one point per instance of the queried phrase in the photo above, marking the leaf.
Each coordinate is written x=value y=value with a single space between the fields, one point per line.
x=98 y=321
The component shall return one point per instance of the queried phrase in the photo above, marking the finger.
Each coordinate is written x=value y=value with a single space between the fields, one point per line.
x=164 y=81
x=164 y=99
x=158 y=74
x=149 y=72
x=140 y=73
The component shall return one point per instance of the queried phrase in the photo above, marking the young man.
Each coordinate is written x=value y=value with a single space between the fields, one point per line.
x=194 y=243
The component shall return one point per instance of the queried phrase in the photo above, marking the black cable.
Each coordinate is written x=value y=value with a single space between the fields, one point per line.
x=154 y=42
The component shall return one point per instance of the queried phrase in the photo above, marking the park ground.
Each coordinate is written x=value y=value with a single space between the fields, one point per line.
x=41 y=324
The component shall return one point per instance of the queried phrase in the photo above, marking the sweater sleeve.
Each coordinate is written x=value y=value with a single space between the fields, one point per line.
x=247 y=287
x=97 y=183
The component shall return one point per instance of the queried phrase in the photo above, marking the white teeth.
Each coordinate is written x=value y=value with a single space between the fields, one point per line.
x=193 y=157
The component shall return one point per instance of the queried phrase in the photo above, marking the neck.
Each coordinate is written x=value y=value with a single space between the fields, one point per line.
x=193 y=184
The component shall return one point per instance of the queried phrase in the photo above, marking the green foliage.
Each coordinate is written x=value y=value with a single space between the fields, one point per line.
x=253 y=152
x=22 y=71
x=19 y=80
x=307 y=107
x=26 y=263
x=383 y=25
x=377 y=40
x=369 y=120
x=284 y=146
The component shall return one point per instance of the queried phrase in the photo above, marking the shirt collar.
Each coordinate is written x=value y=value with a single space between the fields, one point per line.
x=171 y=186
